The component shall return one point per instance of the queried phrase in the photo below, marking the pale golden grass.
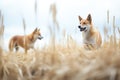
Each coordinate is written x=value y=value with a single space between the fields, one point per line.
x=67 y=61
x=64 y=63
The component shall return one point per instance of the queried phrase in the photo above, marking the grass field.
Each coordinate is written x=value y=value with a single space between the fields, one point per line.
x=63 y=62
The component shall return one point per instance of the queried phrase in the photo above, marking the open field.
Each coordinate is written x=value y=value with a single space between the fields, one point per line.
x=63 y=62
x=67 y=61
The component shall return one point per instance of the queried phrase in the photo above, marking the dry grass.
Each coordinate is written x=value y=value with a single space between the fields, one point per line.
x=64 y=62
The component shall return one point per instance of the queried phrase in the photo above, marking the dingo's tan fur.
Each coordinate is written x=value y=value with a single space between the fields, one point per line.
x=91 y=36
x=25 y=42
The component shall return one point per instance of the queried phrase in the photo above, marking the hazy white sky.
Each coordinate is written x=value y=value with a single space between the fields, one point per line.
x=67 y=15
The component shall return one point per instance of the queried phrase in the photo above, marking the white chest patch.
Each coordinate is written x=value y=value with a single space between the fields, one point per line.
x=89 y=40
x=31 y=45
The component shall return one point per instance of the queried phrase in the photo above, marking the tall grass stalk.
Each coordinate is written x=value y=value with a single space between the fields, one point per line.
x=107 y=16
x=1 y=43
x=24 y=28
x=114 y=31
x=53 y=12
x=1 y=32
x=119 y=36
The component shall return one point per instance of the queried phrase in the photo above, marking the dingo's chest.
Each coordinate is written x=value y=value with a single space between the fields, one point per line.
x=31 y=45
x=89 y=40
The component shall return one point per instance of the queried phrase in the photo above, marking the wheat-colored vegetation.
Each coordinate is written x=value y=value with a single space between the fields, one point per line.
x=63 y=61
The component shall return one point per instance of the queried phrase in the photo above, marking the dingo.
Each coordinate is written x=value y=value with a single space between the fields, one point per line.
x=91 y=36
x=25 y=42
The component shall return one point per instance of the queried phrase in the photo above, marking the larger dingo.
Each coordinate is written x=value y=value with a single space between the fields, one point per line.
x=91 y=36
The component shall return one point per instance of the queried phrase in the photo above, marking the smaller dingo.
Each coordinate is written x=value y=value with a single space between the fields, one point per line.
x=25 y=42
x=91 y=36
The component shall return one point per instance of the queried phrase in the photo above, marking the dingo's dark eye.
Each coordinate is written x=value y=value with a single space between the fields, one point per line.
x=84 y=23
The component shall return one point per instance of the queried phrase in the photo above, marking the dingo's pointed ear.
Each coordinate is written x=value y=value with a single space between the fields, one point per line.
x=79 y=18
x=39 y=29
x=89 y=18
x=35 y=30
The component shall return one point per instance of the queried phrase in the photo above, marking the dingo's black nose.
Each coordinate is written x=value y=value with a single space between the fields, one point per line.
x=40 y=37
x=79 y=26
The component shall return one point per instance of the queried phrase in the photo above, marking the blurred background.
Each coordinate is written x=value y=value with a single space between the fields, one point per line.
x=55 y=16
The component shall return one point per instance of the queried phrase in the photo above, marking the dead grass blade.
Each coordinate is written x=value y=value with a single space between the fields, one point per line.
x=24 y=28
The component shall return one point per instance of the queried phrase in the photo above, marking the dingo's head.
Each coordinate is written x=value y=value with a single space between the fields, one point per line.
x=37 y=34
x=85 y=24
